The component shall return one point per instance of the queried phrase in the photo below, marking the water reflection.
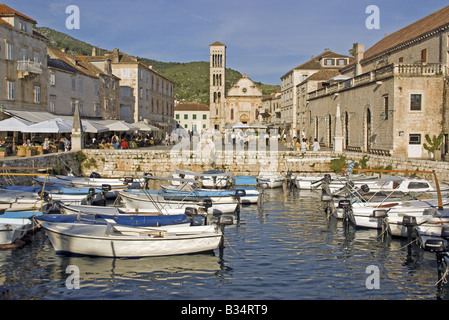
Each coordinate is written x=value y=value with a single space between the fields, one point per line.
x=285 y=249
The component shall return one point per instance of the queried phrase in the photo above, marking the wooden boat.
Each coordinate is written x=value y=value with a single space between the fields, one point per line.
x=112 y=240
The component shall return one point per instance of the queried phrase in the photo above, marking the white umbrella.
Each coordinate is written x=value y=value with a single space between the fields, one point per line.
x=93 y=127
x=57 y=125
x=240 y=125
x=14 y=124
x=142 y=126
x=121 y=126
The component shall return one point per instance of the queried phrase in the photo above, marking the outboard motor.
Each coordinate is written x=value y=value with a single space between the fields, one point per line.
x=382 y=215
x=344 y=208
x=410 y=223
x=440 y=246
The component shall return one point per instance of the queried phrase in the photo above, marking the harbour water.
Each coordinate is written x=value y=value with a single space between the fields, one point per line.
x=284 y=250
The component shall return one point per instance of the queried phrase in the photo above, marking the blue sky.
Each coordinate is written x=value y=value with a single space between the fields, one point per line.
x=264 y=38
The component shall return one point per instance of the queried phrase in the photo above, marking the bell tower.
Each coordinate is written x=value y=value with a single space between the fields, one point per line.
x=217 y=85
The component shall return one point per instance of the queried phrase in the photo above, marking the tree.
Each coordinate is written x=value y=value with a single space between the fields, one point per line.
x=433 y=144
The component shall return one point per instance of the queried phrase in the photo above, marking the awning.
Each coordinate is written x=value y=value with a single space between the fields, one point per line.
x=57 y=125
x=142 y=126
x=14 y=124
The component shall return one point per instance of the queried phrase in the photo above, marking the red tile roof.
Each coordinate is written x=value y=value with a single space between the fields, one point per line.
x=192 y=107
x=415 y=30
x=6 y=11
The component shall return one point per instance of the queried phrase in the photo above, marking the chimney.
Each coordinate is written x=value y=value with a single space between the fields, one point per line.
x=115 y=56
x=360 y=51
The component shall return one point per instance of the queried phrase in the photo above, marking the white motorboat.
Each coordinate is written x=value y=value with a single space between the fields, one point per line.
x=13 y=230
x=372 y=216
x=271 y=180
x=215 y=179
x=313 y=182
x=127 y=182
x=87 y=209
x=20 y=201
x=437 y=226
x=153 y=202
x=118 y=241
x=185 y=174
x=388 y=184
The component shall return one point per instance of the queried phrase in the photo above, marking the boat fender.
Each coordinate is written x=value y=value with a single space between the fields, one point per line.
x=379 y=213
x=436 y=245
x=95 y=175
x=189 y=211
x=106 y=187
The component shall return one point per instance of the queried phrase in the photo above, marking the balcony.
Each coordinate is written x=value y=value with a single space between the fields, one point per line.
x=410 y=70
x=26 y=68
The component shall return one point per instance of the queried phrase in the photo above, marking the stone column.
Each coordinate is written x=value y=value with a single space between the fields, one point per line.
x=338 y=137
x=77 y=130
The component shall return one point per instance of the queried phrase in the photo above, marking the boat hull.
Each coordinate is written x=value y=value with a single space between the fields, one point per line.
x=79 y=239
x=12 y=229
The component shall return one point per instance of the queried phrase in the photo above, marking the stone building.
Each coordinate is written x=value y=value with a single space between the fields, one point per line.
x=271 y=108
x=217 y=85
x=193 y=116
x=291 y=115
x=74 y=81
x=145 y=94
x=393 y=94
x=23 y=63
x=243 y=102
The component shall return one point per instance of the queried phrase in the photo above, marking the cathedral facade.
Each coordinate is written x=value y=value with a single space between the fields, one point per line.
x=242 y=102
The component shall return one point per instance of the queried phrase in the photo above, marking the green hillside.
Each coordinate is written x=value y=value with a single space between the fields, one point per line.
x=191 y=79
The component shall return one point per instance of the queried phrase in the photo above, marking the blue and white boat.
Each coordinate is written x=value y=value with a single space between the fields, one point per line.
x=137 y=220
x=246 y=195
x=57 y=190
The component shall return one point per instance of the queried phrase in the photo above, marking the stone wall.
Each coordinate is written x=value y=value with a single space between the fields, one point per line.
x=122 y=163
